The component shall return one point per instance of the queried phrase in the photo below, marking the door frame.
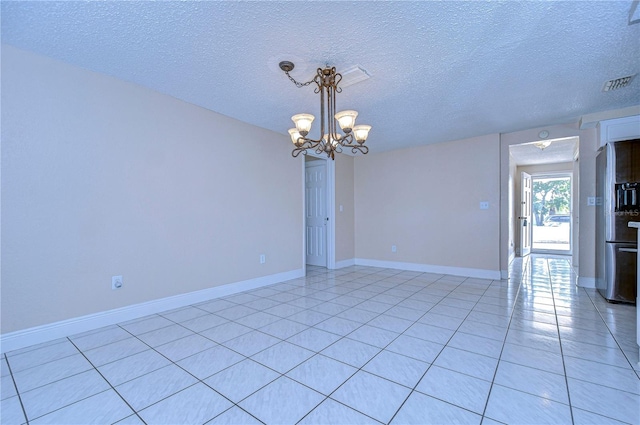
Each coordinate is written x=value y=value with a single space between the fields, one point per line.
x=552 y=174
x=331 y=212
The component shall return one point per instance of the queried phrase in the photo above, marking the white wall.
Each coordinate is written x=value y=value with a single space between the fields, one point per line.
x=425 y=200
x=345 y=219
x=101 y=177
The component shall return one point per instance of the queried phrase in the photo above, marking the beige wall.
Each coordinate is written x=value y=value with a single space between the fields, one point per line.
x=101 y=177
x=584 y=181
x=345 y=225
x=425 y=200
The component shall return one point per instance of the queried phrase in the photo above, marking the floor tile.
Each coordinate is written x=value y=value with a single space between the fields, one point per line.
x=225 y=332
x=47 y=373
x=391 y=323
x=430 y=333
x=213 y=306
x=115 y=351
x=258 y=319
x=12 y=411
x=602 y=374
x=583 y=417
x=146 y=324
x=512 y=406
x=4 y=367
x=44 y=354
x=164 y=335
x=208 y=362
x=322 y=373
x=484 y=330
x=203 y=323
x=469 y=363
x=532 y=381
x=476 y=344
x=283 y=401
x=351 y=352
x=196 y=404
x=528 y=356
x=283 y=328
x=419 y=349
x=132 y=367
x=372 y=395
x=373 y=336
x=314 y=339
x=46 y=399
x=421 y=409
x=155 y=386
x=7 y=387
x=338 y=326
x=606 y=355
x=183 y=314
x=251 y=343
x=612 y=403
x=456 y=388
x=184 y=347
x=332 y=412
x=397 y=368
x=241 y=380
x=234 y=416
x=309 y=317
x=101 y=337
x=105 y=407
x=283 y=356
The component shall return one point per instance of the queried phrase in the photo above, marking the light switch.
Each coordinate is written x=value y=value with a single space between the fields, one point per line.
x=341 y=209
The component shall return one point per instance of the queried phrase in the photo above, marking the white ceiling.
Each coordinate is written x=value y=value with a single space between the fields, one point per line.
x=440 y=70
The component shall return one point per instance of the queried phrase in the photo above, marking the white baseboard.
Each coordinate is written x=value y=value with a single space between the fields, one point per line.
x=39 y=334
x=345 y=263
x=504 y=274
x=428 y=268
x=587 y=282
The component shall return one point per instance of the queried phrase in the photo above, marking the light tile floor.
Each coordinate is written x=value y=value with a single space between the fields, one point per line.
x=358 y=345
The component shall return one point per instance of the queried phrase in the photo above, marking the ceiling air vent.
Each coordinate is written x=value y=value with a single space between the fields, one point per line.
x=353 y=75
x=618 y=83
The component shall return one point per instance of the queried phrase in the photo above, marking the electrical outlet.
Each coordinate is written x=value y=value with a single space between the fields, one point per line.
x=394 y=248
x=116 y=282
x=591 y=201
x=484 y=205
x=263 y=259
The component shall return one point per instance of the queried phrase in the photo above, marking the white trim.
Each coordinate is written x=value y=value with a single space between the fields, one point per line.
x=36 y=335
x=504 y=274
x=428 y=268
x=587 y=282
x=345 y=263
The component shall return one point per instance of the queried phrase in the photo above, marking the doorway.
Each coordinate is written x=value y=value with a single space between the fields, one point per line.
x=318 y=220
x=552 y=213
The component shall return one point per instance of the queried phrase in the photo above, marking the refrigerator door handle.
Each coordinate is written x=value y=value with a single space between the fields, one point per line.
x=628 y=250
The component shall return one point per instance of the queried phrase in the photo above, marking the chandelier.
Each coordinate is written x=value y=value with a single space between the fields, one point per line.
x=330 y=141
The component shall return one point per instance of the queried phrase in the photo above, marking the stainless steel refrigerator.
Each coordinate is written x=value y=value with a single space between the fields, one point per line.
x=617 y=203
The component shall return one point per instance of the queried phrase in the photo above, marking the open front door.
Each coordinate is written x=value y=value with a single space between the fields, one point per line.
x=525 y=214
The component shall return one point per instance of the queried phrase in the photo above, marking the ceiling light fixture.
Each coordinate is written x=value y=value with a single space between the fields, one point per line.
x=330 y=140
x=542 y=145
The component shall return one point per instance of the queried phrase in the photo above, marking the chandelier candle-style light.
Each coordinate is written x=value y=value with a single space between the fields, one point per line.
x=330 y=141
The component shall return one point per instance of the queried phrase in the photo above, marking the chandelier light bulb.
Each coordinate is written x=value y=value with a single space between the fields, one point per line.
x=346 y=119
x=361 y=132
x=295 y=135
x=303 y=123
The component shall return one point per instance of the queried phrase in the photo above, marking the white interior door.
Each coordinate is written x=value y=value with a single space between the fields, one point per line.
x=316 y=212
x=525 y=214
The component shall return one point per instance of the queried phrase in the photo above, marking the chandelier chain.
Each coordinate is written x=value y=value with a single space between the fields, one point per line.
x=297 y=83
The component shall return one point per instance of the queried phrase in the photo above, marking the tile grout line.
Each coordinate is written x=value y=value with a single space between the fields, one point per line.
x=24 y=412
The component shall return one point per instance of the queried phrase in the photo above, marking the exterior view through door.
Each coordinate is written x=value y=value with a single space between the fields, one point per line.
x=316 y=212
x=551 y=224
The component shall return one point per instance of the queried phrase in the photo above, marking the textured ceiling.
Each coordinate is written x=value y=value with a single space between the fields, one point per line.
x=440 y=70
